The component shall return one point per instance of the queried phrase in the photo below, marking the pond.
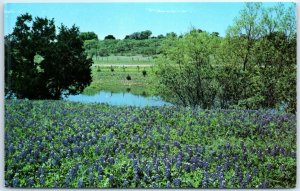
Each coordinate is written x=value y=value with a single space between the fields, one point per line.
x=119 y=99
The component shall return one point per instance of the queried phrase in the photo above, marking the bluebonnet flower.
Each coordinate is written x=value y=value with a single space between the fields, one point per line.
x=154 y=185
x=30 y=182
x=204 y=183
x=168 y=173
x=131 y=155
x=248 y=177
x=243 y=184
x=194 y=160
x=166 y=148
x=186 y=167
x=135 y=164
x=193 y=167
x=102 y=160
x=177 y=182
x=16 y=182
x=148 y=170
x=178 y=164
x=156 y=177
x=205 y=165
x=42 y=180
x=67 y=181
x=203 y=149
x=97 y=149
x=100 y=177
x=80 y=183
x=168 y=185
x=232 y=178
x=145 y=178
x=41 y=171
x=55 y=185
x=111 y=179
x=242 y=144
x=103 y=138
x=177 y=144
x=111 y=160
x=269 y=167
x=91 y=179
x=221 y=176
x=222 y=184
x=44 y=159
x=240 y=176
x=125 y=183
x=100 y=170
x=282 y=168
x=213 y=176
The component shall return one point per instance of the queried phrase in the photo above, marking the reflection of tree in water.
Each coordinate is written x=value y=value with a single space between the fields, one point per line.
x=144 y=94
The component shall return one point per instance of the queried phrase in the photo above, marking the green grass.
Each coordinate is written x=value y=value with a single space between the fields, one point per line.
x=127 y=60
x=106 y=80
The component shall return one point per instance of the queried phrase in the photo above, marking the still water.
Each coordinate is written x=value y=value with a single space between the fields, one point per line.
x=118 y=99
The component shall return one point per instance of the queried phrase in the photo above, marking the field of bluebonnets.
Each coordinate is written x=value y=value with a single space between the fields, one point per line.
x=65 y=144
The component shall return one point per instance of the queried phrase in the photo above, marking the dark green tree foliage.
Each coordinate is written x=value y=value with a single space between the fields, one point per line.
x=43 y=65
x=8 y=61
x=147 y=47
x=139 y=35
x=109 y=37
x=160 y=36
x=171 y=35
x=144 y=72
x=88 y=36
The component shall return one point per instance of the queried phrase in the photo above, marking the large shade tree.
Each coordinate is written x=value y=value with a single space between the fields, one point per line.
x=41 y=64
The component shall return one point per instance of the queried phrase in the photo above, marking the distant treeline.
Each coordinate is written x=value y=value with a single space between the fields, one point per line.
x=141 y=43
x=147 y=47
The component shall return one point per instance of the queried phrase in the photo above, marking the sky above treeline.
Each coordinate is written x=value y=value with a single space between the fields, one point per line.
x=121 y=19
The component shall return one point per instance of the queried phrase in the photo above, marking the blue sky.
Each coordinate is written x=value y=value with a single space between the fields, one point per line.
x=120 y=19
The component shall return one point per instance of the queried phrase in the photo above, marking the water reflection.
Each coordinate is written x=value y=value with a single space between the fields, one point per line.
x=119 y=99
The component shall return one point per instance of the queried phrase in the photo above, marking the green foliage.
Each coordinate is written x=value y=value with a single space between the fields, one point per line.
x=171 y=35
x=260 y=49
x=253 y=67
x=88 y=36
x=129 y=47
x=139 y=35
x=185 y=69
x=43 y=64
x=109 y=37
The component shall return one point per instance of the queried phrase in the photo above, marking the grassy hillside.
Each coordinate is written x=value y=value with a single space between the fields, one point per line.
x=116 y=81
x=124 y=60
